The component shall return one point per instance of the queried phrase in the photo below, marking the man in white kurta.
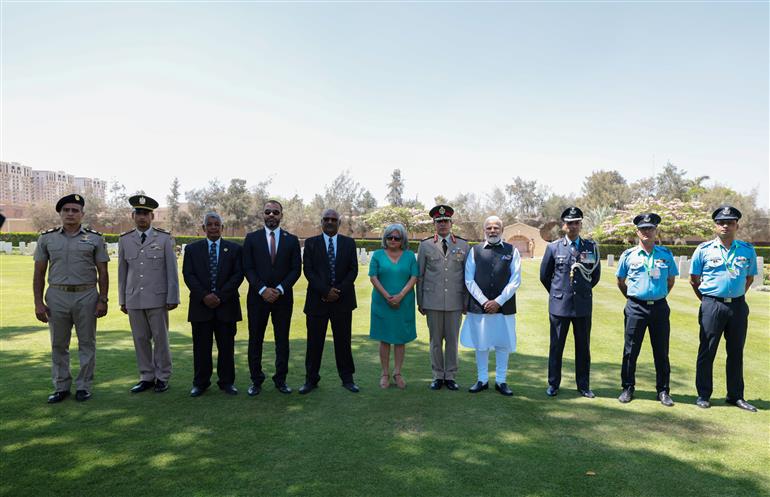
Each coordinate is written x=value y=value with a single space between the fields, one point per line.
x=492 y=276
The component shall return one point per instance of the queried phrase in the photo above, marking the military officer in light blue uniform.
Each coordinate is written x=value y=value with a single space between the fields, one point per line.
x=721 y=272
x=646 y=273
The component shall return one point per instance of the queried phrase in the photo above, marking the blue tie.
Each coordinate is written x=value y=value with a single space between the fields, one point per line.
x=332 y=259
x=213 y=265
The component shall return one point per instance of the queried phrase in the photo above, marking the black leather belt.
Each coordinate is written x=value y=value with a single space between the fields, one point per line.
x=645 y=302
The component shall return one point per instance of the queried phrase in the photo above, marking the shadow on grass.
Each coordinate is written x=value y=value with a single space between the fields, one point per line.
x=14 y=331
x=331 y=442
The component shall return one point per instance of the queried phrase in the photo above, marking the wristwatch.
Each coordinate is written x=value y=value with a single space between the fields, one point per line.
x=104 y=300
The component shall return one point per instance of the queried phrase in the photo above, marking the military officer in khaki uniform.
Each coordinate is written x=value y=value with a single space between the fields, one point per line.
x=148 y=287
x=77 y=259
x=441 y=294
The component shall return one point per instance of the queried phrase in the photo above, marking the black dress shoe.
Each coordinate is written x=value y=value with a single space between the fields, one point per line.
x=478 y=387
x=254 y=390
x=196 y=391
x=350 y=386
x=551 y=391
x=82 y=395
x=587 y=393
x=229 y=389
x=436 y=384
x=451 y=385
x=626 y=396
x=142 y=386
x=665 y=399
x=161 y=386
x=503 y=389
x=57 y=397
x=306 y=388
x=283 y=387
x=702 y=403
x=742 y=404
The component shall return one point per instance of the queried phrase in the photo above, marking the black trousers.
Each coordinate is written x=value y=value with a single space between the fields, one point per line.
x=581 y=328
x=638 y=318
x=717 y=318
x=316 y=337
x=203 y=334
x=280 y=315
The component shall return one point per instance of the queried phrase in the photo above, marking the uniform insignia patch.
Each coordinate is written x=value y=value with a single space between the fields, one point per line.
x=142 y=200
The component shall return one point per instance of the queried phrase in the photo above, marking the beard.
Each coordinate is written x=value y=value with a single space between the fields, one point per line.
x=493 y=239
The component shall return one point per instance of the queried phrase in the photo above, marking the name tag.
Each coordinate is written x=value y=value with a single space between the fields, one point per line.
x=588 y=257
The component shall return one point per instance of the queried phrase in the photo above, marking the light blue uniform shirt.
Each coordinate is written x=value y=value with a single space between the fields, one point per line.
x=723 y=272
x=646 y=274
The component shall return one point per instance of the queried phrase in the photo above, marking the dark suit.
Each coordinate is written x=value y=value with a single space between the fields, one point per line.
x=261 y=272
x=318 y=313
x=569 y=301
x=220 y=321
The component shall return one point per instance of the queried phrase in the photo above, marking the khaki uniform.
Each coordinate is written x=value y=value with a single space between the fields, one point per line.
x=72 y=296
x=147 y=281
x=441 y=293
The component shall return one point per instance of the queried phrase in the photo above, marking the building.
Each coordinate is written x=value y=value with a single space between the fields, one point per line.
x=15 y=184
x=50 y=186
x=91 y=187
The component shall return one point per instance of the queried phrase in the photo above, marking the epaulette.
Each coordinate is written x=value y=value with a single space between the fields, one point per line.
x=460 y=238
x=703 y=244
x=51 y=230
x=745 y=244
x=161 y=230
x=92 y=231
x=127 y=232
x=426 y=238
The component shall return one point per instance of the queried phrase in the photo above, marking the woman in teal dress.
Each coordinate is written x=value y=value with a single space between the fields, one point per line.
x=393 y=272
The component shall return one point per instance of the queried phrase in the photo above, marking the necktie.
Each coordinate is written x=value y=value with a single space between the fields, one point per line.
x=213 y=265
x=144 y=237
x=272 y=247
x=332 y=259
x=444 y=245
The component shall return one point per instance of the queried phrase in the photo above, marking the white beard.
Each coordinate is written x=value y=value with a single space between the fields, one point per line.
x=493 y=240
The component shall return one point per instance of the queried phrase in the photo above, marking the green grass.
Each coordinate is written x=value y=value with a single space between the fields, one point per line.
x=414 y=442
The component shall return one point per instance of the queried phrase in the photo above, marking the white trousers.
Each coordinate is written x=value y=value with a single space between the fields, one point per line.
x=501 y=364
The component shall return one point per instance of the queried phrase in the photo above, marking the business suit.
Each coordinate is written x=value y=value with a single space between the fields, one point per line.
x=319 y=313
x=147 y=283
x=570 y=301
x=263 y=273
x=219 y=322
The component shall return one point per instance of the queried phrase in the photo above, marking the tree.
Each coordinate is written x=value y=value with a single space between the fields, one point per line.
x=414 y=220
x=94 y=210
x=202 y=200
x=679 y=221
x=172 y=199
x=605 y=188
x=672 y=183
x=236 y=205
x=117 y=211
x=753 y=225
x=260 y=196
x=43 y=217
x=527 y=198
x=396 y=189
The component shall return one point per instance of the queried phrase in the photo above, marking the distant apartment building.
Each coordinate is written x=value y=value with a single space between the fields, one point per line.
x=22 y=185
x=15 y=183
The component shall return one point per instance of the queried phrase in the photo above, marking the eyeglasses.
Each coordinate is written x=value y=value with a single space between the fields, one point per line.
x=393 y=238
x=330 y=219
x=274 y=212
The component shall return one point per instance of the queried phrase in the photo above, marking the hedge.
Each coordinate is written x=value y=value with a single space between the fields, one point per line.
x=373 y=244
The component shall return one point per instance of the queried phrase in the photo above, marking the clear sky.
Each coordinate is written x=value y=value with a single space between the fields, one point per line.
x=460 y=96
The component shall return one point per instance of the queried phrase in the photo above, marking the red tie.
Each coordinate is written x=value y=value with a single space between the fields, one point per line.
x=272 y=247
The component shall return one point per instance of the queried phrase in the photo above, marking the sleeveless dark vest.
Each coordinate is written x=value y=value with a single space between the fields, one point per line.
x=493 y=270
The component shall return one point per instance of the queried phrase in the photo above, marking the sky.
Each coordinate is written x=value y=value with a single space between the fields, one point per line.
x=462 y=97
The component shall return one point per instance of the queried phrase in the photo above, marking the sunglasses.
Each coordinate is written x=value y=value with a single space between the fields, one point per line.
x=393 y=238
x=330 y=219
x=274 y=212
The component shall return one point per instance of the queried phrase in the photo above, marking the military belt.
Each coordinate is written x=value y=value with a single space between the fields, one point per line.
x=645 y=302
x=726 y=300
x=73 y=288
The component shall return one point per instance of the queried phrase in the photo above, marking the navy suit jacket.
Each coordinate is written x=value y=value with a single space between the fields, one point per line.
x=260 y=271
x=568 y=298
x=195 y=270
x=318 y=274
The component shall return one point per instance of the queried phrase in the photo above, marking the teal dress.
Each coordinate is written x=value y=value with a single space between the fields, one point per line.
x=394 y=326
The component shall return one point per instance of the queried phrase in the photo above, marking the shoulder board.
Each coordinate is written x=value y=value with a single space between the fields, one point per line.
x=50 y=230
x=161 y=230
x=745 y=244
x=426 y=239
x=704 y=244
x=460 y=238
x=89 y=230
x=127 y=232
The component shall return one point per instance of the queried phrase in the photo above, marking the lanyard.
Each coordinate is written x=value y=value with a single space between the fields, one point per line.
x=649 y=261
x=730 y=259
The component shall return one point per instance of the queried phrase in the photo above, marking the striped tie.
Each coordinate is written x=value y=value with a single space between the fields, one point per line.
x=332 y=259
x=213 y=265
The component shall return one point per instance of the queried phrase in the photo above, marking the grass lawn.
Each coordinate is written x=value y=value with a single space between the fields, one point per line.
x=380 y=442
